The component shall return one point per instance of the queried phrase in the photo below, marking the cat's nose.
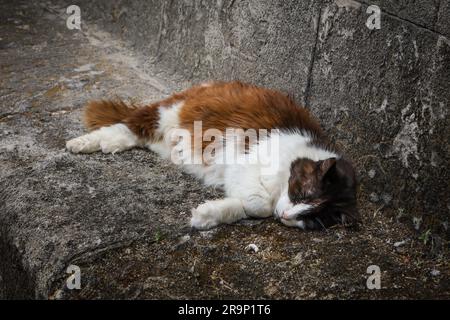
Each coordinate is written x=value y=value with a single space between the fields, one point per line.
x=290 y=214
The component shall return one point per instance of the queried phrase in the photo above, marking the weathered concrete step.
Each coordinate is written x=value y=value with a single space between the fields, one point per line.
x=54 y=205
x=122 y=218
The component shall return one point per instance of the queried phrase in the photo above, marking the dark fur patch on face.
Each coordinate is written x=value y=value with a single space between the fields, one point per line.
x=329 y=186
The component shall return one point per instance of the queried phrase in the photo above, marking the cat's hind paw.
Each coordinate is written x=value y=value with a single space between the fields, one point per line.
x=112 y=139
x=83 y=144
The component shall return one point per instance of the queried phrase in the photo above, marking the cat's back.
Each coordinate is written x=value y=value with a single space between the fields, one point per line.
x=223 y=105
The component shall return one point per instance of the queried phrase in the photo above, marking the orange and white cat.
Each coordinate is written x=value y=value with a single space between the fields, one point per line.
x=281 y=163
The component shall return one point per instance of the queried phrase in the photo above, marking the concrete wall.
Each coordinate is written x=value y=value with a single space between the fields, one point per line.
x=382 y=94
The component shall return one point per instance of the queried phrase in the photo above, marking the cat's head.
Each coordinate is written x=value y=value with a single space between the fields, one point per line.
x=320 y=194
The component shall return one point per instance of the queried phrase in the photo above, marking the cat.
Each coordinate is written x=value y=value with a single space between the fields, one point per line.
x=295 y=174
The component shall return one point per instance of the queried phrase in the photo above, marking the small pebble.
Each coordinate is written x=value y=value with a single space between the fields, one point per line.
x=24 y=27
x=252 y=247
x=373 y=197
x=417 y=222
x=387 y=198
x=400 y=243
x=298 y=259
x=435 y=272
x=184 y=239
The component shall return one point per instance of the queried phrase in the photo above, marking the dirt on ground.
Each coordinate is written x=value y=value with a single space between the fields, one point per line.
x=285 y=263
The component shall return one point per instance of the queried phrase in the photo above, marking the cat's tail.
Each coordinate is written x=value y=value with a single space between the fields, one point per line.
x=103 y=113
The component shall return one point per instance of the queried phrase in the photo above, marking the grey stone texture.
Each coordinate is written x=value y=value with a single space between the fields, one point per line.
x=420 y=13
x=383 y=95
x=442 y=24
x=227 y=40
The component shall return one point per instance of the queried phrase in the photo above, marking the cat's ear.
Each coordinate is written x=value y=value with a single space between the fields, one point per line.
x=333 y=169
x=326 y=167
x=346 y=172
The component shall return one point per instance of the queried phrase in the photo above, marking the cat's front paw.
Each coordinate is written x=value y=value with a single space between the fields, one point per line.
x=204 y=217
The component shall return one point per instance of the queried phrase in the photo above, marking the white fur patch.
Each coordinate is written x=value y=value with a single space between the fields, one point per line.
x=296 y=210
x=294 y=223
x=285 y=210
x=213 y=213
x=283 y=204
x=168 y=118
x=168 y=121
x=112 y=139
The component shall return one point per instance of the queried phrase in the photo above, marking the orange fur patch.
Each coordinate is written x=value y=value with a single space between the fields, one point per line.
x=104 y=113
x=219 y=105
x=238 y=105
x=144 y=121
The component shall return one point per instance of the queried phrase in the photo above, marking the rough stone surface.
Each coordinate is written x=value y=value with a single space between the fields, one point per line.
x=384 y=96
x=54 y=205
x=421 y=13
x=201 y=40
x=443 y=24
x=122 y=218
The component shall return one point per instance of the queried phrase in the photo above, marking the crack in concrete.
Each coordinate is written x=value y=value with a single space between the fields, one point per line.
x=307 y=95
x=232 y=2
x=418 y=25
x=436 y=18
x=313 y=55
x=58 y=282
x=91 y=253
